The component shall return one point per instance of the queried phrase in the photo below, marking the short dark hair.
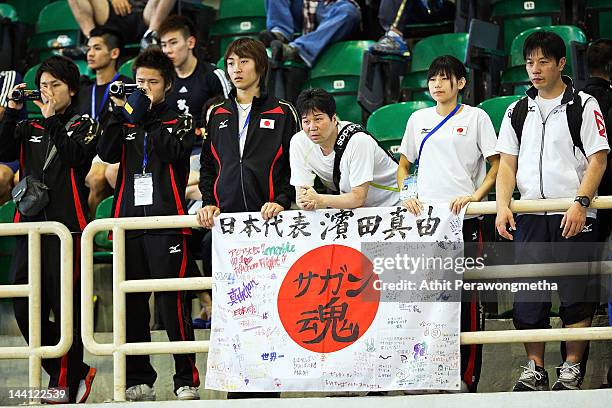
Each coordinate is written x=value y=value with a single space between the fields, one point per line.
x=316 y=98
x=250 y=48
x=448 y=66
x=61 y=68
x=177 y=23
x=551 y=45
x=154 y=58
x=599 y=57
x=112 y=38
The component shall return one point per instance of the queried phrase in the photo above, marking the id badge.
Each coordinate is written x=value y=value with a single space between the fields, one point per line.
x=409 y=189
x=143 y=189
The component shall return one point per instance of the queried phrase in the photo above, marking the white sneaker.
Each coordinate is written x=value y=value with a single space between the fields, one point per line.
x=187 y=393
x=140 y=392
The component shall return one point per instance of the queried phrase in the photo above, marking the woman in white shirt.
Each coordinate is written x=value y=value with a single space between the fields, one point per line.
x=450 y=143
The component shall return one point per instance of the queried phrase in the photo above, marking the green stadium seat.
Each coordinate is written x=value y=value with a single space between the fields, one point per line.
x=236 y=19
x=516 y=16
x=598 y=18
x=29 y=10
x=56 y=29
x=425 y=51
x=388 y=123
x=126 y=68
x=337 y=70
x=8 y=11
x=84 y=69
x=101 y=238
x=514 y=79
x=496 y=107
x=7 y=244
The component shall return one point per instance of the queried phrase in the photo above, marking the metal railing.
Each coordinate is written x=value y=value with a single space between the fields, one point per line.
x=34 y=351
x=119 y=348
x=528 y=270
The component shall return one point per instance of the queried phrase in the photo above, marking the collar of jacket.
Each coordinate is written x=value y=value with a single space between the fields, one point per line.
x=568 y=94
x=160 y=108
x=67 y=115
x=258 y=100
x=598 y=82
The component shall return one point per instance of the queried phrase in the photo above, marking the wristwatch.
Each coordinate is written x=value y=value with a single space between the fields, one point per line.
x=583 y=201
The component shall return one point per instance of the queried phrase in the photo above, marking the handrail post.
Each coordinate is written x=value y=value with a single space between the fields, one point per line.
x=119 y=314
x=34 y=317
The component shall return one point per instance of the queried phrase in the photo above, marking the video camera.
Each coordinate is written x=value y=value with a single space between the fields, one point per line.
x=22 y=95
x=120 y=89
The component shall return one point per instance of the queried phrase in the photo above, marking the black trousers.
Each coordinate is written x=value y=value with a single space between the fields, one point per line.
x=151 y=256
x=471 y=320
x=68 y=370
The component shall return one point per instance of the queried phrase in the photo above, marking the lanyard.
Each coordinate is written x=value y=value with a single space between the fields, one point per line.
x=246 y=123
x=145 y=157
x=434 y=130
x=94 y=112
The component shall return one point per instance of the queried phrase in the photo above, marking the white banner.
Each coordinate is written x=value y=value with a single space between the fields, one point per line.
x=298 y=304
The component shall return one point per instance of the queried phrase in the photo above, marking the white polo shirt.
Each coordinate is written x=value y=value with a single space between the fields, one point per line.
x=549 y=165
x=363 y=161
x=452 y=162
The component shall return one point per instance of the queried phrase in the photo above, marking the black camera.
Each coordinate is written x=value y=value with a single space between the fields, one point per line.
x=120 y=89
x=22 y=95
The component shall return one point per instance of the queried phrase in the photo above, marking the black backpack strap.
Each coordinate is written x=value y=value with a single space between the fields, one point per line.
x=344 y=136
x=574 y=112
x=519 y=114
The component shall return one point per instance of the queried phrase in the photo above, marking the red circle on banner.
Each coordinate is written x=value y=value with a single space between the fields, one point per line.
x=460 y=130
x=267 y=123
x=327 y=300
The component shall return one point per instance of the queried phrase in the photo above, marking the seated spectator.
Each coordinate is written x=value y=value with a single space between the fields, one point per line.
x=103 y=51
x=8 y=170
x=363 y=176
x=137 y=20
x=321 y=23
x=394 y=15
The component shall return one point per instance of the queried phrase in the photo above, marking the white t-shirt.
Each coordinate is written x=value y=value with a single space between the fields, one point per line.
x=452 y=162
x=547 y=105
x=244 y=111
x=363 y=161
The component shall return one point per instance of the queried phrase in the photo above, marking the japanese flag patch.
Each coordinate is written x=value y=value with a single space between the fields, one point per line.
x=266 y=124
x=460 y=130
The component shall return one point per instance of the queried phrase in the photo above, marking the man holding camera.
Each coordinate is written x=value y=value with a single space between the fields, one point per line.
x=152 y=143
x=103 y=50
x=55 y=154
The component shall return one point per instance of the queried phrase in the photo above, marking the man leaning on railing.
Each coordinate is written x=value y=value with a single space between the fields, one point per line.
x=553 y=144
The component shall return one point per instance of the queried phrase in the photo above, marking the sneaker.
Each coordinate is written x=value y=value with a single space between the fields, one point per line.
x=394 y=45
x=148 y=40
x=533 y=378
x=187 y=393
x=282 y=52
x=85 y=386
x=201 y=323
x=569 y=377
x=140 y=392
x=267 y=36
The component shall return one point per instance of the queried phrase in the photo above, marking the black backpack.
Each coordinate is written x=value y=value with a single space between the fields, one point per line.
x=574 y=119
x=345 y=134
